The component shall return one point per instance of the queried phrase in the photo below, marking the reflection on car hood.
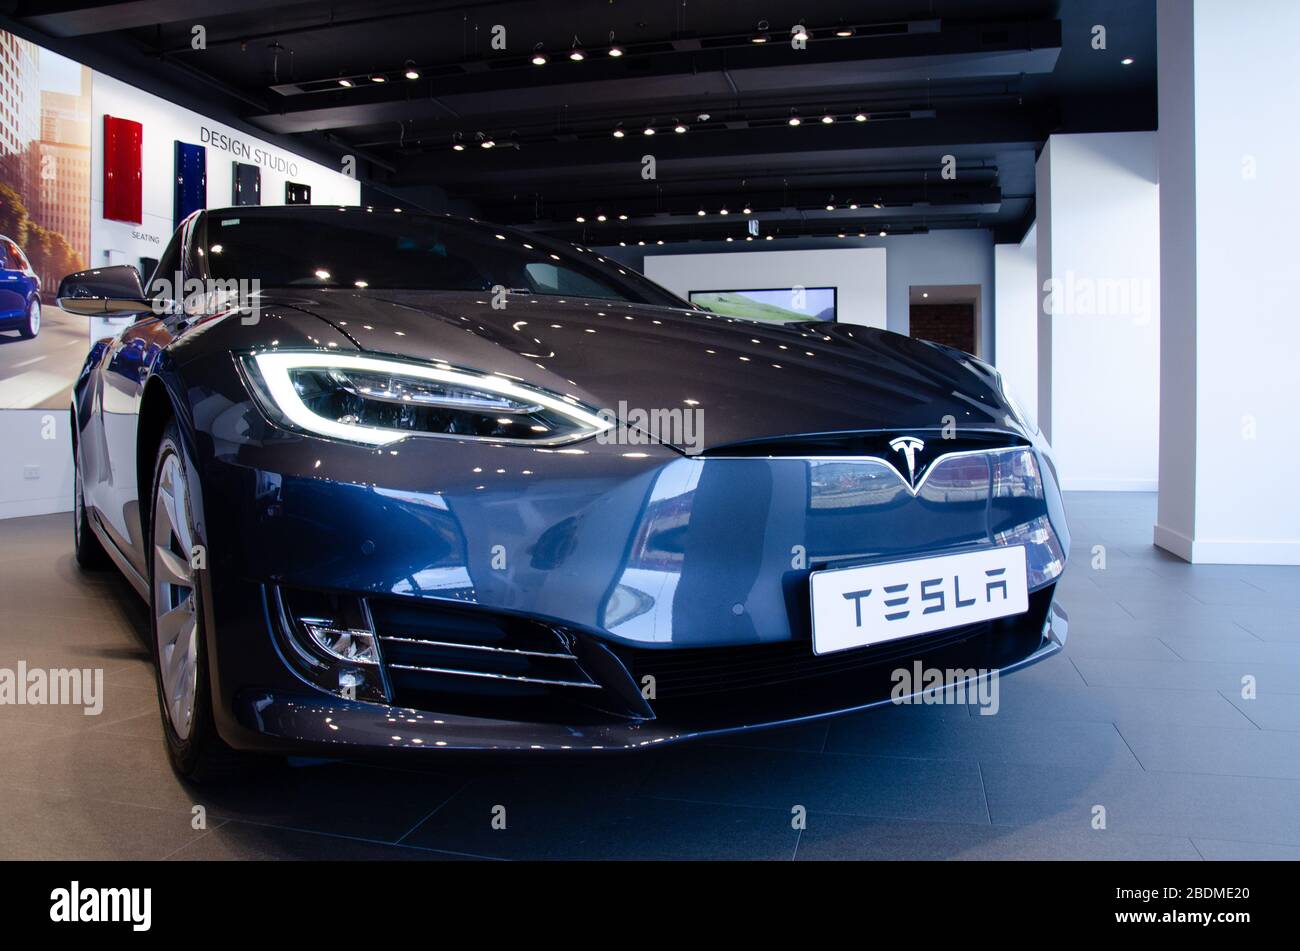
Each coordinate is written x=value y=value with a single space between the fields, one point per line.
x=753 y=381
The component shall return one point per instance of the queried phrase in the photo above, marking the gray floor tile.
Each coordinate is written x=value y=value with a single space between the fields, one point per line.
x=241 y=841
x=854 y=838
x=1177 y=804
x=859 y=785
x=1175 y=748
x=1227 y=850
x=987 y=738
x=1272 y=711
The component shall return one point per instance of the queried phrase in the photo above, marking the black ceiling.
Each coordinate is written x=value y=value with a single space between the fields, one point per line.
x=985 y=81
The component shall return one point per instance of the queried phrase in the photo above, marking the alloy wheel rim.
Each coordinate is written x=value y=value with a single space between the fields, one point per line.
x=175 y=597
x=34 y=316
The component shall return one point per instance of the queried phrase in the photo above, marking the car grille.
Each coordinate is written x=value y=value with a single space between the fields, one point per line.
x=688 y=672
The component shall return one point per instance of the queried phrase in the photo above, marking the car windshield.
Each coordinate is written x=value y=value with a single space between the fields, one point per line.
x=355 y=249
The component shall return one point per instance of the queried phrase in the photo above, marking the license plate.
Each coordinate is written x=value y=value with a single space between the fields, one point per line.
x=855 y=607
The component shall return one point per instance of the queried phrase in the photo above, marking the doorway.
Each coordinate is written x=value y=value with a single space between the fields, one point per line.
x=947 y=314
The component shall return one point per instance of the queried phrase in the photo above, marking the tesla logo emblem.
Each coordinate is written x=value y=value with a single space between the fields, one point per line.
x=909 y=446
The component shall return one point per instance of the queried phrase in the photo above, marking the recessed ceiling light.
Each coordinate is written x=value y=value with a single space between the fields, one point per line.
x=828 y=118
x=724 y=210
x=746 y=210
x=700 y=212
x=539 y=58
x=1126 y=61
x=379 y=78
x=648 y=130
x=622 y=217
x=411 y=71
x=794 y=120
x=925 y=293
x=600 y=218
x=616 y=51
x=853 y=206
x=580 y=219
x=844 y=31
x=679 y=128
x=883 y=232
x=830 y=207
x=488 y=142
x=618 y=131
x=859 y=117
x=345 y=83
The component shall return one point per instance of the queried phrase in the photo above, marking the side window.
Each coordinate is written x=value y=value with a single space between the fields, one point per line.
x=162 y=285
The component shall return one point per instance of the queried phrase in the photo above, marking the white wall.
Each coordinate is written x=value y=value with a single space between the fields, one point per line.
x=1098 y=334
x=1015 y=321
x=858 y=274
x=26 y=434
x=35 y=467
x=1228 y=142
x=118 y=242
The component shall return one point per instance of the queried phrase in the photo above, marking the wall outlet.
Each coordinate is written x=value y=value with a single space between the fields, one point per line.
x=31 y=472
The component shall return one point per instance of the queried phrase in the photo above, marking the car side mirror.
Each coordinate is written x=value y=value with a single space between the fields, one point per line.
x=104 y=291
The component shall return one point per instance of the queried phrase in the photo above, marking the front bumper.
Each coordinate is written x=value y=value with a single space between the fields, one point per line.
x=330 y=724
x=687 y=569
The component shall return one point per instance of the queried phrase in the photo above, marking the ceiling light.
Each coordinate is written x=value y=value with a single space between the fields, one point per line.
x=724 y=210
x=345 y=83
x=840 y=235
x=828 y=119
x=761 y=35
x=844 y=31
x=641 y=243
x=487 y=142
x=925 y=293
x=859 y=117
x=539 y=58
x=411 y=71
x=679 y=128
x=614 y=49
x=575 y=51
x=1126 y=61
x=746 y=210
x=600 y=218
x=794 y=119
x=379 y=78
x=660 y=241
x=704 y=117
x=730 y=238
x=853 y=206
x=877 y=205
x=580 y=220
x=456 y=143
x=700 y=212
x=883 y=232
x=830 y=206
x=618 y=131
x=622 y=217
x=767 y=238
x=648 y=130
x=801 y=33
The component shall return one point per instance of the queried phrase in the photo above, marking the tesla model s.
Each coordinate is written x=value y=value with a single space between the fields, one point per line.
x=402 y=481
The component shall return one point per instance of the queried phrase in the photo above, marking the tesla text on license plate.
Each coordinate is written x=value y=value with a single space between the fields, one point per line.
x=854 y=607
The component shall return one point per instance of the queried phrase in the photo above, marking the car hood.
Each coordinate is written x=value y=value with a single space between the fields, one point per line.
x=752 y=381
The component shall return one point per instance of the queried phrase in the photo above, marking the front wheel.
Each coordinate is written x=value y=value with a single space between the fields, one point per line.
x=176 y=596
x=33 y=325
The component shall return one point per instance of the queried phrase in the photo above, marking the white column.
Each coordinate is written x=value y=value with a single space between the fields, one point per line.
x=1015 y=316
x=1098 y=327
x=1230 y=329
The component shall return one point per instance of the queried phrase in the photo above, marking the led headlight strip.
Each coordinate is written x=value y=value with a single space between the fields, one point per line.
x=276 y=369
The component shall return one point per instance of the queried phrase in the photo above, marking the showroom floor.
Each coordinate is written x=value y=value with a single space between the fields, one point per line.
x=1142 y=716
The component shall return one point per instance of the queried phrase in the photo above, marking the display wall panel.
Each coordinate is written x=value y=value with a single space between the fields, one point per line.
x=296 y=193
x=123 y=181
x=191 y=192
x=246 y=184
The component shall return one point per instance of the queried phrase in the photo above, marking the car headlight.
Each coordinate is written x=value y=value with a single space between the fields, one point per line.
x=377 y=401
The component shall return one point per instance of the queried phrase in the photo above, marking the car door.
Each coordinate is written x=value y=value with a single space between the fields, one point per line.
x=125 y=369
x=13 y=281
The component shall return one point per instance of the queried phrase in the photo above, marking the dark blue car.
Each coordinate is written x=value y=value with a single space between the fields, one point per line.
x=393 y=481
x=20 y=292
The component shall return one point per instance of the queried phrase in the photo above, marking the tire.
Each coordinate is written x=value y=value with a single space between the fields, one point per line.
x=86 y=546
x=33 y=325
x=176 y=624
